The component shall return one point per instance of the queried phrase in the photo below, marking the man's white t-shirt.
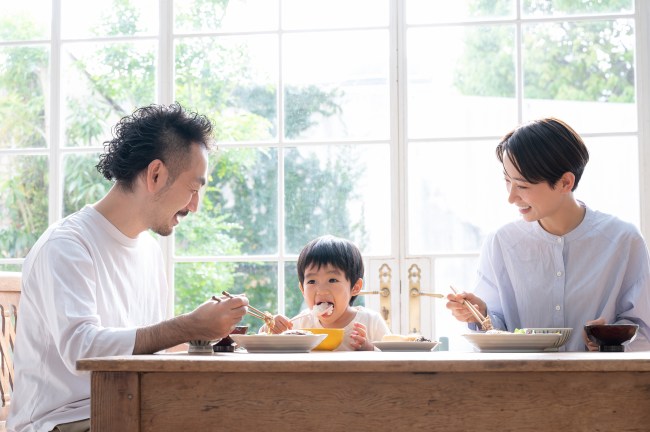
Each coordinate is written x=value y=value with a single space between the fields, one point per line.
x=86 y=288
x=376 y=327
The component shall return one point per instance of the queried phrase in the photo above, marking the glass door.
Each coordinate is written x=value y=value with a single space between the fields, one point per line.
x=374 y=120
x=379 y=125
x=471 y=71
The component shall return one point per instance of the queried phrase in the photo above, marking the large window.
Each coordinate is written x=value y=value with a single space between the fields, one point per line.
x=374 y=120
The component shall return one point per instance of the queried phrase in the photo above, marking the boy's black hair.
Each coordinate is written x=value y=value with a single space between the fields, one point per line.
x=338 y=252
x=543 y=150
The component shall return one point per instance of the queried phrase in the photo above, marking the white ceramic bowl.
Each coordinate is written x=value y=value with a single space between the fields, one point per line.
x=564 y=331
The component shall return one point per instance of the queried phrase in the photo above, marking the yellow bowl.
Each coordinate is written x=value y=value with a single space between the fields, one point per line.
x=333 y=339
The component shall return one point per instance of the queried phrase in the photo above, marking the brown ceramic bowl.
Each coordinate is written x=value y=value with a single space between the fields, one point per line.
x=227 y=344
x=610 y=337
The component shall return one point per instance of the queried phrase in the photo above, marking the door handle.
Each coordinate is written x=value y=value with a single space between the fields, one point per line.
x=416 y=292
x=414 y=298
x=385 y=277
x=384 y=292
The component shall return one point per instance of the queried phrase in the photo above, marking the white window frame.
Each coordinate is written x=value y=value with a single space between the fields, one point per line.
x=399 y=234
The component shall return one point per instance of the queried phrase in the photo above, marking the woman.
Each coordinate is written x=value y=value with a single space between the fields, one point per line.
x=563 y=264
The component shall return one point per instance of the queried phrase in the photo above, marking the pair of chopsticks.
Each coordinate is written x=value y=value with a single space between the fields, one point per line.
x=264 y=316
x=485 y=322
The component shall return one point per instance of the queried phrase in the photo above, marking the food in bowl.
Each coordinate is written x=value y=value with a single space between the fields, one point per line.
x=411 y=337
x=333 y=339
x=495 y=331
x=296 y=332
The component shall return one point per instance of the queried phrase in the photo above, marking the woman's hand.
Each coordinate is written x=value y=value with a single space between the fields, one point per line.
x=589 y=344
x=460 y=311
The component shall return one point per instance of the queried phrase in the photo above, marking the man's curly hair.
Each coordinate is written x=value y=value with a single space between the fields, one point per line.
x=153 y=132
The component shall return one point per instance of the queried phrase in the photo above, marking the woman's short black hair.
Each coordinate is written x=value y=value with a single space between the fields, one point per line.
x=153 y=132
x=338 y=252
x=543 y=150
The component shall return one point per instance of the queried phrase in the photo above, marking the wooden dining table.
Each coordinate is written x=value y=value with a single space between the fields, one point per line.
x=373 y=391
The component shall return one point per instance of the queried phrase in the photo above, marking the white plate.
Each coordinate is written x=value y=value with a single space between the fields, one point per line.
x=263 y=343
x=406 y=346
x=511 y=342
x=565 y=333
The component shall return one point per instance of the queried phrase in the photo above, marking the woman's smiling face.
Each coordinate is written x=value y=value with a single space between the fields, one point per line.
x=328 y=284
x=534 y=201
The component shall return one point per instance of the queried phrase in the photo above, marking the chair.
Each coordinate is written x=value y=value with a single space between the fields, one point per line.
x=9 y=297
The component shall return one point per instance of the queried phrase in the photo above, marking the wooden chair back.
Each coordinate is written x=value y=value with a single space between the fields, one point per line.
x=9 y=298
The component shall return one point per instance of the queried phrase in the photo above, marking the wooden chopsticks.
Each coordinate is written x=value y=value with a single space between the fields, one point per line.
x=264 y=316
x=485 y=322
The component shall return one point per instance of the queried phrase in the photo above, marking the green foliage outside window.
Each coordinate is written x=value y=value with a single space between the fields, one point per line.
x=568 y=60
x=214 y=78
x=211 y=79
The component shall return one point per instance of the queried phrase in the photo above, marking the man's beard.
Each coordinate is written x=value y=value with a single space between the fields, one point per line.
x=168 y=230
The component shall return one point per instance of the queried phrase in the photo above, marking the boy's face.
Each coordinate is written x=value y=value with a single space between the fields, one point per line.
x=535 y=202
x=329 y=284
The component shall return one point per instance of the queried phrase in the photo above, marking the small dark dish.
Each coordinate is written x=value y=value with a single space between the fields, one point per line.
x=610 y=337
x=227 y=344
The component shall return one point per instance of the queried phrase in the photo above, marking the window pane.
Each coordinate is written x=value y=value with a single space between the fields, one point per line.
x=238 y=213
x=293 y=299
x=101 y=83
x=471 y=92
x=456 y=195
x=319 y=14
x=234 y=80
x=581 y=72
x=25 y=20
x=87 y=19
x=24 y=182
x=197 y=282
x=461 y=273
x=427 y=11
x=610 y=182
x=24 y=92
x=343 y=190
x=83 y=184
x=575 y=7
x=329 y=93
x=197 y=16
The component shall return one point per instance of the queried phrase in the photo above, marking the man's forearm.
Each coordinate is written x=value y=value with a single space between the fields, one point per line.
x=163 y=335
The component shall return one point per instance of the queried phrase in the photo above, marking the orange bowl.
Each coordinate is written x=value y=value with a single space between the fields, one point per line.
x=333 y=339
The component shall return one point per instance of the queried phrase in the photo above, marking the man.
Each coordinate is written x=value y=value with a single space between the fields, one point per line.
x=94 y=283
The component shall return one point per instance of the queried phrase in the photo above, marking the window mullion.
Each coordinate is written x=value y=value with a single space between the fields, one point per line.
x=642 y=9
x=55 y=161
x=165 y=92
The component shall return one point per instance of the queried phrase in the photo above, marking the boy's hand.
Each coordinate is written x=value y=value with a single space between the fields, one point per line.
x=359 y=338
x=280 y=324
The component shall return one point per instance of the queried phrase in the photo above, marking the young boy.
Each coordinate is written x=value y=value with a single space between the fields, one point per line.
x=330 y=272
x=564 y=264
